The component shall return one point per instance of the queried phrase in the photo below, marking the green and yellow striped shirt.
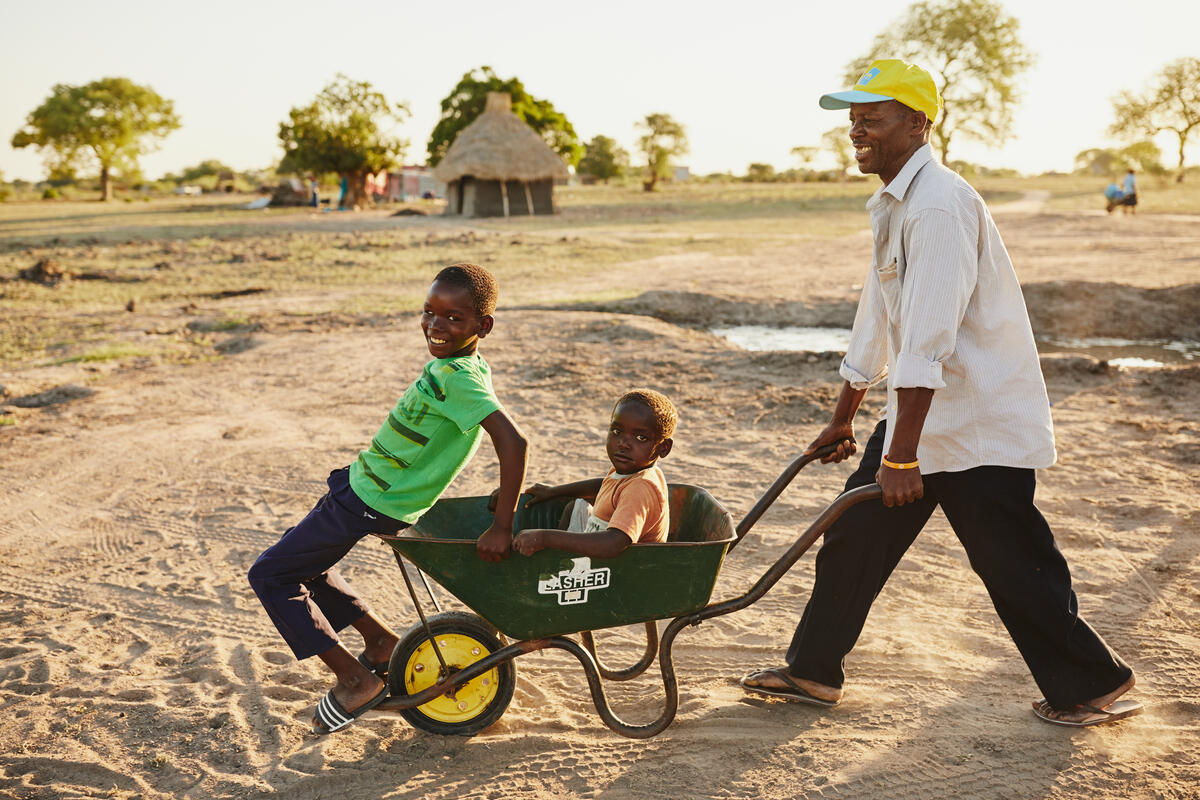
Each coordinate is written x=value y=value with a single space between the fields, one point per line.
x=427 y=438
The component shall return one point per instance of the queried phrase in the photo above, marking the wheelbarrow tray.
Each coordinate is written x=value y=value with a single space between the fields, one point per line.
x=553 y=593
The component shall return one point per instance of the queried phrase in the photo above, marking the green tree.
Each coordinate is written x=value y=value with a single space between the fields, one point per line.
x=975 y=49
x=603 y=158
x=60 y=172
x=1170 y=103
x=205 y=169
x=837 y=141
x=760 y=173
x=805 y=155
x=467 y=100
x=346 y=131
x=1146 y=156
x=112 y=120
x=1099 y=161
x=662 y=139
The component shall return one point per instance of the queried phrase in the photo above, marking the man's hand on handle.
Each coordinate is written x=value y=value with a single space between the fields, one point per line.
x=900 y=486
x=840 y=434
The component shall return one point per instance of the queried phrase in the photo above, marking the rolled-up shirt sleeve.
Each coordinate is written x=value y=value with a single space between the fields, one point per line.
x=865 y=362
x=939 y=279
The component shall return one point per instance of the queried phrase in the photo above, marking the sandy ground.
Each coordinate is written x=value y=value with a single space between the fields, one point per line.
x=136 y=662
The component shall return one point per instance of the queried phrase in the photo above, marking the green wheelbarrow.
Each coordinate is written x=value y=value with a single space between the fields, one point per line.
x=454 y=672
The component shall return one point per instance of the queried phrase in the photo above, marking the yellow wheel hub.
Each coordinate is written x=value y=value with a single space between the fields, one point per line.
x=464 y=702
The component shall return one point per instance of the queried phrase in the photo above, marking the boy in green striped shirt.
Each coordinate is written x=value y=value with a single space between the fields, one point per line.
x=427 y=439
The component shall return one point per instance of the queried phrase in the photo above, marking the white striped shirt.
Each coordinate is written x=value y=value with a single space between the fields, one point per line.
x=941 y=308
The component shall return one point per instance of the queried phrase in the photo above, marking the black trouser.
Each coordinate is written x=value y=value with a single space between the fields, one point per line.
x=304 y=594
x=1010 y=547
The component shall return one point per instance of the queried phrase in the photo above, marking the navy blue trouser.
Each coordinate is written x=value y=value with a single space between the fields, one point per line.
x=307 y=599
x=1009 y=545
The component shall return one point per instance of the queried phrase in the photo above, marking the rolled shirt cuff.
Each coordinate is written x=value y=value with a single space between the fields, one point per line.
x=857 y=379
x=913 y=371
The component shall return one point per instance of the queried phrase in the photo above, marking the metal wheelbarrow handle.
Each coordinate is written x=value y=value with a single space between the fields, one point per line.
x=781 y=483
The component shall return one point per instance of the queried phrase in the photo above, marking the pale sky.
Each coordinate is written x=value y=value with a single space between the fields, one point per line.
x=743 y=77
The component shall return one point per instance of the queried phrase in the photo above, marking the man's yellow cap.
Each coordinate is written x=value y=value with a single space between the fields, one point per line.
x=891 y=79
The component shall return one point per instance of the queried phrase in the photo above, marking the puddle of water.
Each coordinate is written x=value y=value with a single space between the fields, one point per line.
x=1136 y=362
x=807 y=340
x=1147 y=353
x=1118 y=352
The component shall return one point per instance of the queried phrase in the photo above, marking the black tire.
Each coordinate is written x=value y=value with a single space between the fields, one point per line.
x=414 y=666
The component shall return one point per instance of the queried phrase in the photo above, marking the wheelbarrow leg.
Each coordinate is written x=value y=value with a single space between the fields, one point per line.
x=629 y=673
x=424 y=622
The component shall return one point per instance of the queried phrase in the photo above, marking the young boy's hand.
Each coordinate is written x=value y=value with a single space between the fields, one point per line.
x=494 y=544
x=528 y=542
x=539 y=493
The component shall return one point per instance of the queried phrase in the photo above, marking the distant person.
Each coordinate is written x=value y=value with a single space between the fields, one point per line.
x=630 y=502
x=1130 y=189
x=429 y=436
x=316 y=193
x=967 y=424
x=1113 y=195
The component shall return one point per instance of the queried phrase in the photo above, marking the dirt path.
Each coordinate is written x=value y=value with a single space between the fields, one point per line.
x=137 y=663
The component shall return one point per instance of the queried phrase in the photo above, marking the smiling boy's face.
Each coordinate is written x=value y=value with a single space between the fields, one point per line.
x=450 y=323
x=634 y=440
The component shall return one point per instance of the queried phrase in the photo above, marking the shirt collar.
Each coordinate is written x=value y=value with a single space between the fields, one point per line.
x=899 y=185
x=618 y=476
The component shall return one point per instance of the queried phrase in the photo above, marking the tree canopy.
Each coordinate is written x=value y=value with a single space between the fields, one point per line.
x=759 y=172
x=805 y=155
x=210 y=167
x=112 y=120
x=467 y=100
x=662 y=139
x=974 y=52
x=345 y=130
x=1106 y=161
x=603 y=158
x=1170 y=103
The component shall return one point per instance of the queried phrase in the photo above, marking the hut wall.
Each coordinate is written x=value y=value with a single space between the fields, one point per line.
x=517 y=204
x=454 y=198
x=476 y=198
x=485 y=198
x=469 y=196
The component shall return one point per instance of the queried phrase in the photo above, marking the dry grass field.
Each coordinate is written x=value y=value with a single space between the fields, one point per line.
x=175 y=398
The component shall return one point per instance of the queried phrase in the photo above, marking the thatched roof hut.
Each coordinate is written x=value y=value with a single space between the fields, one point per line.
x=498 y=166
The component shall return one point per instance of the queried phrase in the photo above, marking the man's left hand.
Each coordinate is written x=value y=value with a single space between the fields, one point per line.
x=900 y=486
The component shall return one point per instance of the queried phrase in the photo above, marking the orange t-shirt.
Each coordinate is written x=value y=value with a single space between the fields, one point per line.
x=635 y=504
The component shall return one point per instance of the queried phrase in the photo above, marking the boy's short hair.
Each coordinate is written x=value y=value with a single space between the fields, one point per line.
x=476 y=280
x=661 y=407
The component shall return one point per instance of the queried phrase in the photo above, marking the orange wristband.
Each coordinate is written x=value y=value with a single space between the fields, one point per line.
x=908 y=465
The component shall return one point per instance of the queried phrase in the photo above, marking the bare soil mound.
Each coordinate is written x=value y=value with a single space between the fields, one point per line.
x=1082 y=309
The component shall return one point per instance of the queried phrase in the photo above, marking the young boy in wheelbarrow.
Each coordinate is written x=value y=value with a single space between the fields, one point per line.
x=630 y=502
x=426 y=440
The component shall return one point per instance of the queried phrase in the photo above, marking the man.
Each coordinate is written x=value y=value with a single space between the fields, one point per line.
x=1130 y=199
x=967 y=422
